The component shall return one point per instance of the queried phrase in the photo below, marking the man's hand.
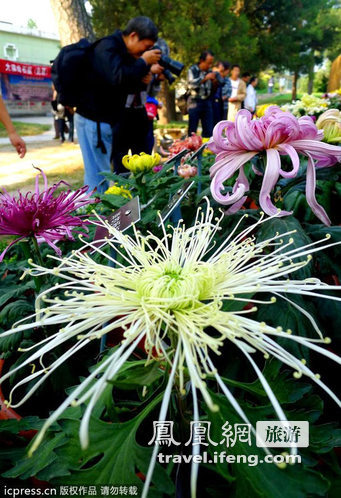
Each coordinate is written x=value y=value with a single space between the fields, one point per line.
x=147 y=79
x=156 y=69
x=151 y=56
x=18 y=143
x=210 y=76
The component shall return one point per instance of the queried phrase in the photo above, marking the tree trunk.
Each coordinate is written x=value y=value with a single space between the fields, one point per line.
x=73 y=21
x=311 y=80
x=294 y=86
x=167 y=96
x=170 y=103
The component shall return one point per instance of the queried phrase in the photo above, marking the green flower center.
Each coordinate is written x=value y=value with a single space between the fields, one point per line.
x=173 y=287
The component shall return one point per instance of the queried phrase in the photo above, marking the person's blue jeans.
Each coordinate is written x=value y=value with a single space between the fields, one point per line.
x=95 y=161
x=200 y=110
x=218 y=111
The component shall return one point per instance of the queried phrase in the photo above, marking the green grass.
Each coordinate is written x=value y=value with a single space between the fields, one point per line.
x=75 y=180
x=25 y=129
x=280 y=99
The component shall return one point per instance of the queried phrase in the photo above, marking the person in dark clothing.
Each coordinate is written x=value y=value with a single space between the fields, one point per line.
x=133 y=129
x=200 y=87
x=130 y=132
x=153 y=90
x=116 y=67
x=246 y=78
x=222 y=93
x=69 y=115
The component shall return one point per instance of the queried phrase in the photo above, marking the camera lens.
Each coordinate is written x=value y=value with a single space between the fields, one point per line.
x=169 y=77
x=172 y=65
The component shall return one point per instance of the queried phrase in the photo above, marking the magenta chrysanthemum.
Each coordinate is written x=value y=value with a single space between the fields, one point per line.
x=41 y=215
x=276 y=133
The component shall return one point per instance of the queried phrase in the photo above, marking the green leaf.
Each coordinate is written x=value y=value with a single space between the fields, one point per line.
x=263 y=480
x=114 y=455
x=31 y=466
x=281 y=313
x=12 y=311
x=300 y=238
x=285 y=387
x=323 y=438
x=135 y=374
x=121 y=180
x=11 y=292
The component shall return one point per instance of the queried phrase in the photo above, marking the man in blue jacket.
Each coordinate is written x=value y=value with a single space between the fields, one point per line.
x=116 y=67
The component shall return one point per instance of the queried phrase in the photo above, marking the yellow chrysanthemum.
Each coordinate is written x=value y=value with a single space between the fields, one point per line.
x=206 y=151
x=261 y=110
x=142 y=162
x=116 y=190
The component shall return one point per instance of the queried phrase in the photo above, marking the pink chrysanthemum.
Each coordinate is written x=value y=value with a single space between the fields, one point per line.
x=41 y=215
x=276 y=133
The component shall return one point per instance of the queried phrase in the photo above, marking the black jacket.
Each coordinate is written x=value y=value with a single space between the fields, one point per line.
x=112 y=73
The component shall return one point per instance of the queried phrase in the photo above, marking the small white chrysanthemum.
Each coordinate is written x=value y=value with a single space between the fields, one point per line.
x=170 y=292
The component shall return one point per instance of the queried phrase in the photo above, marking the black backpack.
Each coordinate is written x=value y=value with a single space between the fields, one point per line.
x=69 y=70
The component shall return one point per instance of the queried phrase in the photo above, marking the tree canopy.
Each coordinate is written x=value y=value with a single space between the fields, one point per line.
x=286 y=34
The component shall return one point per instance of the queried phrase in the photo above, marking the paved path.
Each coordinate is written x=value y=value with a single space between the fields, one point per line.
x=42 y=137
x=63 y=161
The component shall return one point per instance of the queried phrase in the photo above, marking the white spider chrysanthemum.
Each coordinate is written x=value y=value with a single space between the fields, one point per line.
x=170 y=292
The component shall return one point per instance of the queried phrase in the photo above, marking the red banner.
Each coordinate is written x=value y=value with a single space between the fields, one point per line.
x=29 y=70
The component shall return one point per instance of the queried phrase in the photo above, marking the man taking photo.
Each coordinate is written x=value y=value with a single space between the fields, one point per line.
x=116 y=66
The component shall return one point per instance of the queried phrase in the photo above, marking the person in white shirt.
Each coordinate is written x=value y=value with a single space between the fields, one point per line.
x=238 y=93
x=250 y=101
x=282 y=82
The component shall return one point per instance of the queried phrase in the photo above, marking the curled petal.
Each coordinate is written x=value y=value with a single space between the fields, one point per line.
x=308 y=129
x=228 y=168
x=317 y=209
x=240 y=187
x=271 y=176
x=326 y=154
x=236 y=206
x=291 y=152
x=211 y=145
x=219 y=135
x=3 y=254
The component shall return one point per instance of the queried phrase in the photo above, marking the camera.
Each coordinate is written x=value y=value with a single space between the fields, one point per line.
x=219 y=78
x=170 y=66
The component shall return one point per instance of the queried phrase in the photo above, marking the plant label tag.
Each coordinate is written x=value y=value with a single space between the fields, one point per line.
x=123 y=218
x=175 y=200
x=198 y=152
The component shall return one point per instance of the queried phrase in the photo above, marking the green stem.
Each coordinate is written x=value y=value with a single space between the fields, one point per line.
x=28 y=255
x=141 y=187
x=37 y=251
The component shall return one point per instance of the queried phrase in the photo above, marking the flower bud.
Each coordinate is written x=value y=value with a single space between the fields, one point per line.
x=330 y=123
